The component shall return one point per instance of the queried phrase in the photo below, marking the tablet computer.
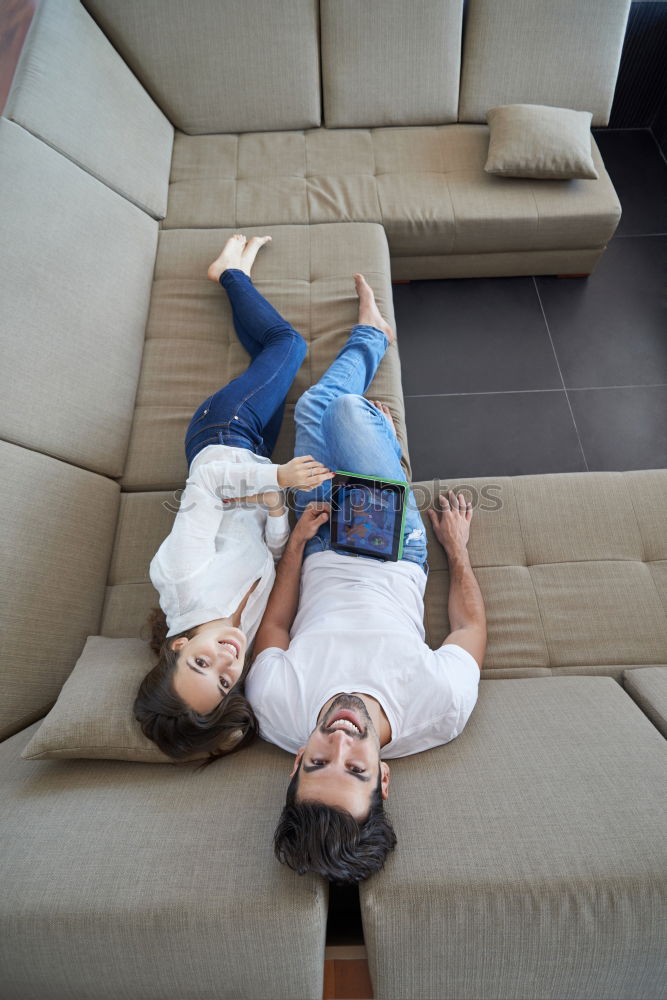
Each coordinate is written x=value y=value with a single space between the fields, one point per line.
x=368 y=515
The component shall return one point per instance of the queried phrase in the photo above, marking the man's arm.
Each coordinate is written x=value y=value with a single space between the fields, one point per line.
x=283 y=601
x=467 y=617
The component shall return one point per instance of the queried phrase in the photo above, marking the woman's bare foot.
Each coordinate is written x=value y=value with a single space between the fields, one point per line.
x=386 y=412
x=369 y=314
x=238 y=253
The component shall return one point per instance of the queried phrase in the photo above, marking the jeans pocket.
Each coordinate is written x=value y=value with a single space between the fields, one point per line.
x=198 y=418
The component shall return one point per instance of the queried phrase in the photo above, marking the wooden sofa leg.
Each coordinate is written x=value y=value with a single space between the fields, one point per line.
x=402 y=282
x=574 y=275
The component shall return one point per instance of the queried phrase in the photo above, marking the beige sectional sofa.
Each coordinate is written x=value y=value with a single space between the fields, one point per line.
x=137 y=137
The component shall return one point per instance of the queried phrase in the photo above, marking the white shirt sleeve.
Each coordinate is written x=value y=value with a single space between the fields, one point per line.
x=463 y=675
x=272 y=688
x=276 y=533
x=226 y=480
x=191 y=543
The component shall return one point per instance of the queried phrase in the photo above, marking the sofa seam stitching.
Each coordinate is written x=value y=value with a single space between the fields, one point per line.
x=306 y=179
x=371 y=133
x=453 y=249
x=310 y=304
x=532 y=582
x=537 y=214
x=634 y=511
x=236 y=184
x=657 y=592
x=644 y=561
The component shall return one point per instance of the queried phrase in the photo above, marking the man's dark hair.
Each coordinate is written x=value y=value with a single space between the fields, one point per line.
x=314 y=837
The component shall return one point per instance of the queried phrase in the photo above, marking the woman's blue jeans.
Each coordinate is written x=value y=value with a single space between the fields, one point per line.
x=337 y=426
x=248 y=412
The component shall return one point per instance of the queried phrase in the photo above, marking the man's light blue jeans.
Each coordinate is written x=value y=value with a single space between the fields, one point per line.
x=337 y=426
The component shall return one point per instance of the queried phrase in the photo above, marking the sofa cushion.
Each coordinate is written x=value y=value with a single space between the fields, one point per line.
x=191 y=348
x=648 y=687
x=73 y=90
x=130 y=880
x=385 y=63
x=77 y=262
x=93 y=715
x=58 y=529
x=192 y=60
x=571 y=567
x=515 y=51
x=531 y=858
x=530 y=140
x=144 y=521
x=425 y=185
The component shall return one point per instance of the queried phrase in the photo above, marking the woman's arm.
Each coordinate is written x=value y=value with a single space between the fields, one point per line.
x=191 y=542
x=276 y=530
x=246 y=480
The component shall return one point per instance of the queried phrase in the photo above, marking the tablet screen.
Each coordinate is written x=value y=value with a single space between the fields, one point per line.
x=367 y=517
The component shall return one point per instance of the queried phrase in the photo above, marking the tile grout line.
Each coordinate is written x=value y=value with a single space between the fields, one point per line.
x=546 y=323
x=657 y=144
x=516 y=392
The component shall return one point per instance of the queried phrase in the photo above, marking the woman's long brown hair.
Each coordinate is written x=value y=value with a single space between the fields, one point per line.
x=178 y=730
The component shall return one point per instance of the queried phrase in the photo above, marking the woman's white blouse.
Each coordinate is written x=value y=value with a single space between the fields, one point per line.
x=216 y=551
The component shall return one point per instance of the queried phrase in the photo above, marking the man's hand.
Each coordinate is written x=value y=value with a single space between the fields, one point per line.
x=303 y=473
x=451 y=525
x=314 y=516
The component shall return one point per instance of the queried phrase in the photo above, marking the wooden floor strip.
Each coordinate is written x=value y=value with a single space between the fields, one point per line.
x=347 y=979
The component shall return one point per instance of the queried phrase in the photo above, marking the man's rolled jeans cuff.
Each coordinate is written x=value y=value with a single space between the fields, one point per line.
x=369 y=326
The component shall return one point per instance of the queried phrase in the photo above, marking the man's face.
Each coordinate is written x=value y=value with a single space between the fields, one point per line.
x=340 y=761
x=208 y=664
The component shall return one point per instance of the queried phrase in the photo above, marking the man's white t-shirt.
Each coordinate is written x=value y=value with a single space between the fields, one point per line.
x=360 y=628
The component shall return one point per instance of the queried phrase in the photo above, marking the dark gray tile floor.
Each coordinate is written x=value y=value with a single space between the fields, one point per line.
x=512 y=376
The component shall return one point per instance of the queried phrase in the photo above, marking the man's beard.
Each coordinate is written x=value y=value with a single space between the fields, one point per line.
x=354 y=704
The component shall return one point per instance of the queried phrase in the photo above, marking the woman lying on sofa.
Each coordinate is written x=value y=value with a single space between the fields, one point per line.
x=215 y=570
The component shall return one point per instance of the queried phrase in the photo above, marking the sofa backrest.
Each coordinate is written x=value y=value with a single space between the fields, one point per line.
x=77 y=262
x=563 y=53
x=387 y=62
x=383 y=62
x=75 y=283
x=73 y=90
x=84 y=170
x=58 y=529
x=572 y=567
x=250 y=66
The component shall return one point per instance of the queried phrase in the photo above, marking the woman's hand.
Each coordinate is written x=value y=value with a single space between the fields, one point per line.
x=314 y=516
x=304 y=473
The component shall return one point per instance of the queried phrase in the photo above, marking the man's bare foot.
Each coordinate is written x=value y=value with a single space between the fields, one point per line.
x=238 y=253
x=369 y=314
x=386 y=412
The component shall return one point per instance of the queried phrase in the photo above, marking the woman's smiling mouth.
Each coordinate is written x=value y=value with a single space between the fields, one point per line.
x=232 y=645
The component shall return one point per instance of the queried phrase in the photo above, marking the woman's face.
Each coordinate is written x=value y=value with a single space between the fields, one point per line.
x=208 y=665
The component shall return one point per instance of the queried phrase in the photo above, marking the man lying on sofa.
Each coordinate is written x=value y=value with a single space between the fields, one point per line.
x=342 y=674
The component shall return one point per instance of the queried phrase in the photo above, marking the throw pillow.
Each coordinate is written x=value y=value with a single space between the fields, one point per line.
x=534 y=140
x=93 y=716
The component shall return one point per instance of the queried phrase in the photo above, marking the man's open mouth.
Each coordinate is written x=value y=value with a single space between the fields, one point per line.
x=348 y=721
